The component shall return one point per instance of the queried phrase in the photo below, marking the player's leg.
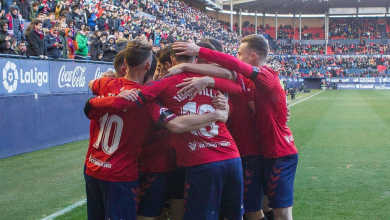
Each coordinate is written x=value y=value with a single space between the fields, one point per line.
x=232 y=205
x=120 y=199
x=252 y=171
x=95 y=205
x=153 y=191
x=279 y=177
x=283 y=213
x=203 y=191
x=267 y=210
x=176 y=201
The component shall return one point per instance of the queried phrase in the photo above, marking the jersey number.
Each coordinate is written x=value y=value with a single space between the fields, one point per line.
x=209 y=131
x=110 y=130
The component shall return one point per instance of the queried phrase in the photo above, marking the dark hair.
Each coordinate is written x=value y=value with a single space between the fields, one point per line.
x=258 y=44
x=34 y=4
x=22 y=42
x=137 y=52
x=119 y=61
x=86 y=28
x=152 y=69
x=205 y=44
x=164 y=54
x=182 y=58
x=218 y=46
x=56 y=26
x=37 y=21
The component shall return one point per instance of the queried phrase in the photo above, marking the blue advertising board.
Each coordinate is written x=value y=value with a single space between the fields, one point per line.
x=359 y=80
x=358 y=86
x=24 y=76
x=73 y=76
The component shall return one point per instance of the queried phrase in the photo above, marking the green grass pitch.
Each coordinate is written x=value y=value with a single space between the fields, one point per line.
x=343 y=138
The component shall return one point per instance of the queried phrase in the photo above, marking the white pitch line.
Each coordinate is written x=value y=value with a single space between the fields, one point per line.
x=65 y=210
x=306 y=98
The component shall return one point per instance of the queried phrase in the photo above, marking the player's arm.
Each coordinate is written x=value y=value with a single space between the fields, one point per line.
x=194 y=85
x=186 y=123
x=203 y=69
x=260 y=76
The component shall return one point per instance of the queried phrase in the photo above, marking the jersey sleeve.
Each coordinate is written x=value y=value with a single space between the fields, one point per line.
x=98 y=84
x=159 y=113
x=226 y=85
x=151 y=91
x=112 y=104
x=261 y=76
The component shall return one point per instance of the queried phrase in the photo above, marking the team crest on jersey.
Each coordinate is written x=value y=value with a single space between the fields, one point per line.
x=162 y=110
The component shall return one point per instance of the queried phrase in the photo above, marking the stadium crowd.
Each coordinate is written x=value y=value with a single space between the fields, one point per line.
x=335 y=67
x=75 y=29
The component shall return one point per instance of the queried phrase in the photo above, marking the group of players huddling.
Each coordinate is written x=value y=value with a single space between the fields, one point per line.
x=204 y=140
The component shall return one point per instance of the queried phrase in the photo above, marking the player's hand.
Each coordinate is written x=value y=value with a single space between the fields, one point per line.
x=175 y=70
x=220 y=102
x=109 y=73
x=129 y=95
x=192 y=86
x=189 y=49
x=288 y=113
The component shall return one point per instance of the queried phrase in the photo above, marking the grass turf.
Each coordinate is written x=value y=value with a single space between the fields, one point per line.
x=342 y=171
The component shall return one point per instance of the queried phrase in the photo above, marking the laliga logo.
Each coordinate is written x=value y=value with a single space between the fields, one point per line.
x=73 y=78
x=10 y=77
x=98 y=73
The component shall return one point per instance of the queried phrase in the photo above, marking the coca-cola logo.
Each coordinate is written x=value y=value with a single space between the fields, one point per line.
x=99 y=73
x=68 y=78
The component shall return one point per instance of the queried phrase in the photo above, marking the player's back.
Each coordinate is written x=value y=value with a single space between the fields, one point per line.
x=274 y=135
x=209 y=144
x=115 y=148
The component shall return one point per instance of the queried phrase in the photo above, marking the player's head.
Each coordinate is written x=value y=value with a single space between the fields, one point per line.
x=163 y=61
x=119 y=64
x=177 y=59
x=217 y=45
x=204 y=43
x=150 y=74
x=254 y=49
x=138 y=54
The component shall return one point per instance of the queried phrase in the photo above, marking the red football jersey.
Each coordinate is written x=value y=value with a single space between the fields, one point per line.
x=209 y=144
x=274 y=135
x=114 y=149
x=241 y=119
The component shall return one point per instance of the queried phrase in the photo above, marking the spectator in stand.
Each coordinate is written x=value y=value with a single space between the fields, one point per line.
x=83 y=43
x=24 y=7
x=121 y=42
x=75 y=15
x=5 y=48
x=4 y=35
x=50 y=21
x=110 y=49
x=21 y=49
x=96 y=44
x=53 y=43
x=34 y=11
x=99 y=55
x=15 y=25
x=171 y=37
x=36 y=44
x=61 y=35
x=69 y=42
x=102 y=22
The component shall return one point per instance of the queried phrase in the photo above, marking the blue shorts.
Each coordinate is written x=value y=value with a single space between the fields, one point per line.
x=214 y=188
x=111 y=200
x=253 y=182
x=279 y=175
x=153 y=192
x=178 y=181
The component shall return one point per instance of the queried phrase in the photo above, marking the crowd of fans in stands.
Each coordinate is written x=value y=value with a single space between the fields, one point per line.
x=75 y=29
x=293 y=66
